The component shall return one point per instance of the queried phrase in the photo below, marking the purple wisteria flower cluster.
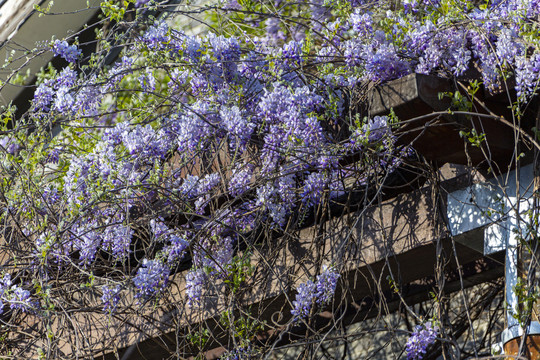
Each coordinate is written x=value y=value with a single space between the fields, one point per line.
x=375 y=129
x=176 y=245
x=195 y=284
x=527 y=76
x=314 y=187
x=152 y=278
x=240 y=180
x=69 y=52
x=212 y=258
x=110 y=298
x=56 y=94
x=9 y=144
x=117 y=238
x=108 y=234
x=421 y=338
x=68 y=96
x=15 y=296
x=320 y=292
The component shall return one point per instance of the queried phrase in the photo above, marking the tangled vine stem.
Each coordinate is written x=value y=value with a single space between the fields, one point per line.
x=216 y=178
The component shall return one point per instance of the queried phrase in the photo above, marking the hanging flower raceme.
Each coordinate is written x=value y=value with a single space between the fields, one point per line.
x=69 y=52
x=15 y=296
x=110 y=298
x=320 y=292
x=152 y=278
x=195 y=284
x=421 y=338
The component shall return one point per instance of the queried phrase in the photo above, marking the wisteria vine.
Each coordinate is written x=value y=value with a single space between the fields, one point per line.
x=171 y=161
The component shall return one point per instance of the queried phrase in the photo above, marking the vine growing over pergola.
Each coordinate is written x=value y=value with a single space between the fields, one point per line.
x=190 y=186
